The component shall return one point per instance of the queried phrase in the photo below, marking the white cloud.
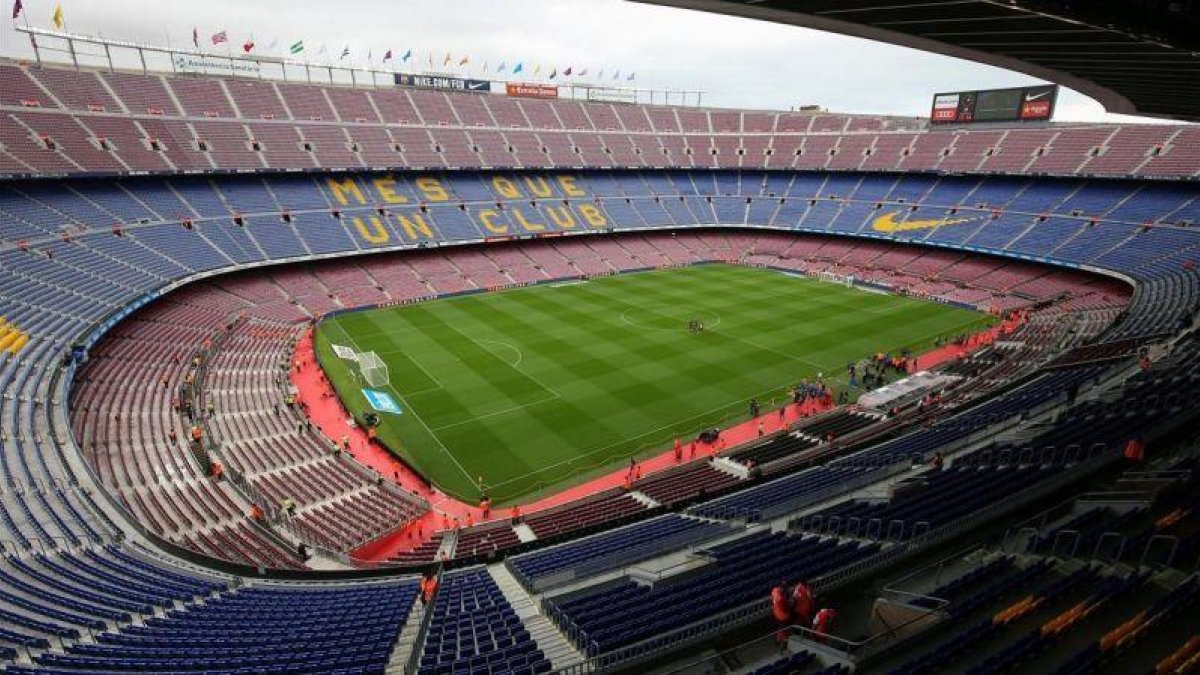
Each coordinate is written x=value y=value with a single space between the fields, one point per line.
x=737 y=62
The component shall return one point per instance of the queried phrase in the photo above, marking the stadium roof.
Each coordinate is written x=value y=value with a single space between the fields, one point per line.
x=1133 y=56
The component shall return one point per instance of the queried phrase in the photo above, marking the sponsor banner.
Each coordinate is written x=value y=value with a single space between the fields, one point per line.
x=945 y=108
x=1016 y=104
x=1038 y=103
x=608 y=95
x=186 y=63
x=344 y=352
x=442 y=82
x=532 y=90
x=382 y=401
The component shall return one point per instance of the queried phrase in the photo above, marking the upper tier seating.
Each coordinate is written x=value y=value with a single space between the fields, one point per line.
x=65 y=121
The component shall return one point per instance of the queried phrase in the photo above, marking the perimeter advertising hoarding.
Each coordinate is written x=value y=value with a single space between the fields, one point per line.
x=532 y=90
x=442 y=82
x=995 y=105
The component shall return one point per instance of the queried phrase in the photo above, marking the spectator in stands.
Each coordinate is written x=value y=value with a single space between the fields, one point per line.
x=823 y=622
x=937 y=462
x=289 y=506
x=516 y=515
x=256 y=513
x=218 y=470
x=781 y=611
x=429 y=584
x=802 y=603
x=302 y=551
x=172 y=436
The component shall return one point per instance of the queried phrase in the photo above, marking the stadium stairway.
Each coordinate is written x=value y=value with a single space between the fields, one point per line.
x=550 y=640
x=408 y=642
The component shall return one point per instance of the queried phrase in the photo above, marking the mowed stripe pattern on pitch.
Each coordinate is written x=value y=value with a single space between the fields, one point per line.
x=534 y=387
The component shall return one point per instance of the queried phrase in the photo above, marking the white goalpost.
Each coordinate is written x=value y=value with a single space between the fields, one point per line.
x=373 y=369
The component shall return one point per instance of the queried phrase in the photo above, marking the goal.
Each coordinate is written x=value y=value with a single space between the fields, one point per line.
x=373 y=369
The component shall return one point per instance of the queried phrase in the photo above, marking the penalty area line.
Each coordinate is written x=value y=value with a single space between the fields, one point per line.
x=413 y=411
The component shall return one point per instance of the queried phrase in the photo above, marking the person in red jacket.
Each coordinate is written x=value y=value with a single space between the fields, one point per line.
x=823 y=622
x=781 y=610
x=429 y=584
x=802 y=603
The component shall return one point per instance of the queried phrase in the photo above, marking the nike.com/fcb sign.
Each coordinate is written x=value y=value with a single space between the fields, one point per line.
x=1021 y=104
x=439 y=82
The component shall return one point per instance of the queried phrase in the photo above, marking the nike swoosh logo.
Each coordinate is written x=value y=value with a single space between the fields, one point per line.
x=1034 y=97
x=887 y=223
x=478 y=85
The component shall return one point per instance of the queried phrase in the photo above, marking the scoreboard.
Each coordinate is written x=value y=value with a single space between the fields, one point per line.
x=1021 y=104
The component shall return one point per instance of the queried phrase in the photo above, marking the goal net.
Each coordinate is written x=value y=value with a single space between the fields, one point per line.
x=374 y=370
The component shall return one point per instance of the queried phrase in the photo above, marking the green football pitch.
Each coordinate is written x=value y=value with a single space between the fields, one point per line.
x=538 y=388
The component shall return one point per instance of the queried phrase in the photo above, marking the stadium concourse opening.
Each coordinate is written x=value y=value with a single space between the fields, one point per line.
x=522 y=392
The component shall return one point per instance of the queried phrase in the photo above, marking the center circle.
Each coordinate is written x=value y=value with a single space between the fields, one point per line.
x=668 y=317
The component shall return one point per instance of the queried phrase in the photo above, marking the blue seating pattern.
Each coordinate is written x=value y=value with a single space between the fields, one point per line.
x=473 y=629
x=261 y=629
x=614 y=549
x=619 y=614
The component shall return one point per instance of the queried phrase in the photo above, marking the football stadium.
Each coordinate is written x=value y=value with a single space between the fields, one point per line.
x=314 y=363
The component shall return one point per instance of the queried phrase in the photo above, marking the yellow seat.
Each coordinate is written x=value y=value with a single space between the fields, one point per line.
x=21 y=341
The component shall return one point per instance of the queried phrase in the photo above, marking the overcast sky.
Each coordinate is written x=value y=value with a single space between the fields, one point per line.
x=737 y=62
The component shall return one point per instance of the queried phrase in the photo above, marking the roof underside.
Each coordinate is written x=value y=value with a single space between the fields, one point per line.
x=1134 y=56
